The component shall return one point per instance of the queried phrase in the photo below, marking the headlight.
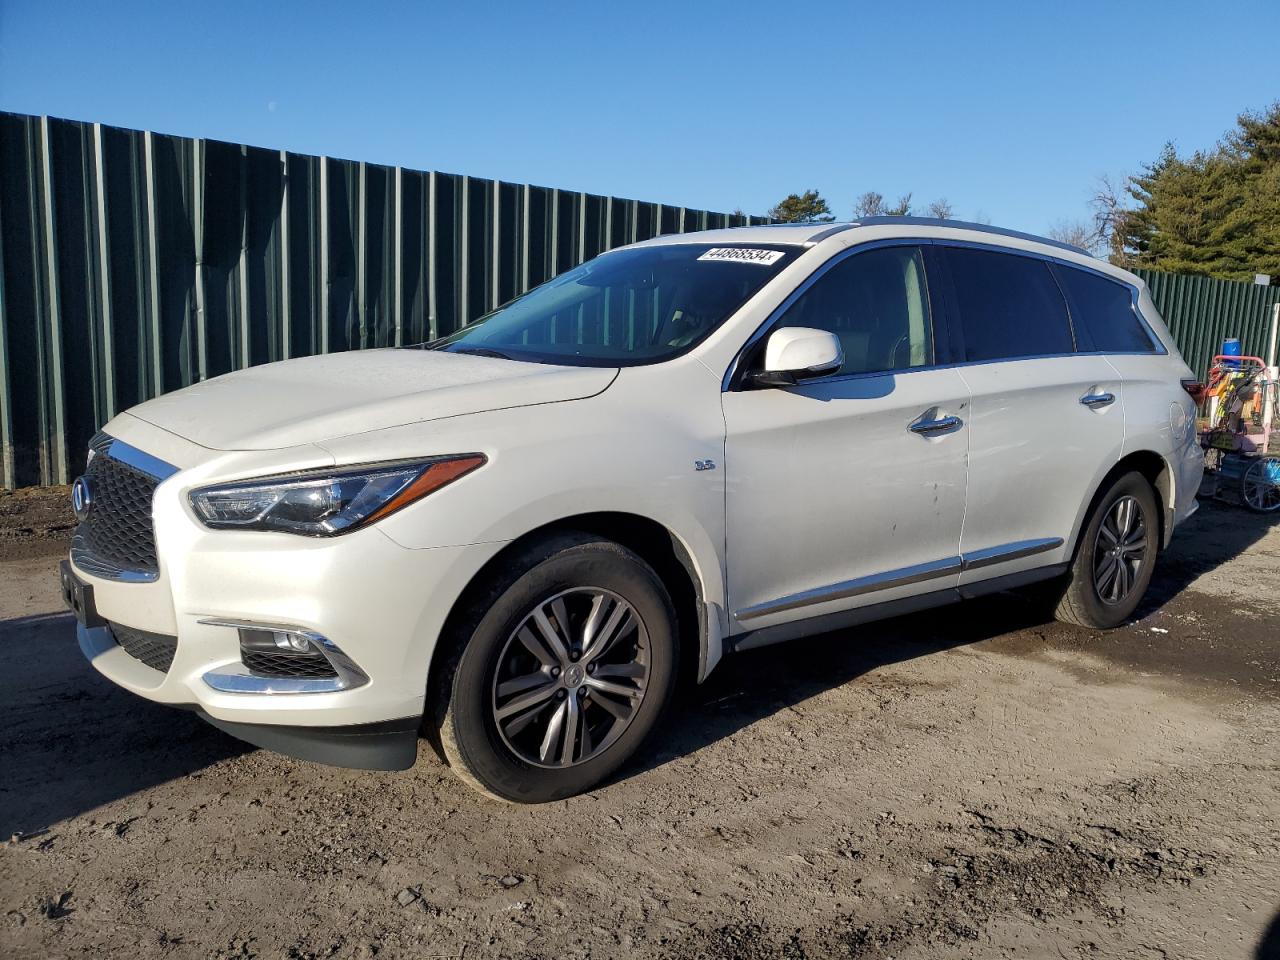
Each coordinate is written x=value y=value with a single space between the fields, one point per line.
x=327 y=502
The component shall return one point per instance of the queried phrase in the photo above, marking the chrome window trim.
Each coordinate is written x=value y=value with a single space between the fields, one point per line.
x=1158 y=346
x=917 y=573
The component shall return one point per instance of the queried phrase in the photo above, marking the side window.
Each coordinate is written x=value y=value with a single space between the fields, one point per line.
x=1009 y=306
x=877 y=303
x=1102 y=310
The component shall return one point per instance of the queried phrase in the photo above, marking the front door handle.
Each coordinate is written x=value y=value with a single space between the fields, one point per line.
x=929 y=427
x=1095 y=401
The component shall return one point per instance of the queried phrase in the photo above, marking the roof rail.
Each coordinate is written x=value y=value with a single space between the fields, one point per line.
x=966 y=225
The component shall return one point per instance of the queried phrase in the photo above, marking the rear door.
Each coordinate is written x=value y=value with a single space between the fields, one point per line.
x=1046 y=420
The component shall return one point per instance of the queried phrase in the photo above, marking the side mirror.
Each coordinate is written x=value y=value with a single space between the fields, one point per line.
x=793 y=354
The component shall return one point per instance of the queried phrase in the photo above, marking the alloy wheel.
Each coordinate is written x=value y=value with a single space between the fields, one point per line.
x=1120 y=550
x=571 y=677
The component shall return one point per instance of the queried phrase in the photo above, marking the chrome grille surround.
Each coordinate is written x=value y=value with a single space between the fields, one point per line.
x=116 y=541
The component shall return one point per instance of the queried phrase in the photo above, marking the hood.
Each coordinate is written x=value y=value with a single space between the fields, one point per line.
x=311 y=399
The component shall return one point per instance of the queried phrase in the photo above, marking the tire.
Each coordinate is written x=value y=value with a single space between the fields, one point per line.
x=1092 y=599
x=493 y=709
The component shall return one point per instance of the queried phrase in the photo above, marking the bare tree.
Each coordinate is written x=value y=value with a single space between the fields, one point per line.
x=940 y=209
x=1077 y=233
x=870 y=204
x=902 y=208
x=1109 y=211
x=1101 y=232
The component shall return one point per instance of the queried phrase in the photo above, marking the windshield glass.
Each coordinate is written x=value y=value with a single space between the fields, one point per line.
x=642 y=305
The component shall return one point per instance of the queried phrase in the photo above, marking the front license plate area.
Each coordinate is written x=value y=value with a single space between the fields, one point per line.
x=78 y=596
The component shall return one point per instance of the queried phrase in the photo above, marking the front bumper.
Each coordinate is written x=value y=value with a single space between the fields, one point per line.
x=385 y=745
x=384 y=605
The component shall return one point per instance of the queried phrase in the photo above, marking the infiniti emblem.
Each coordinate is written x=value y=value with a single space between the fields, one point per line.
x=81 y=499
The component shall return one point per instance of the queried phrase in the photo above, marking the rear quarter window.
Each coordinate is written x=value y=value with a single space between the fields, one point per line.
x=1103 y=313
x=1010 y=306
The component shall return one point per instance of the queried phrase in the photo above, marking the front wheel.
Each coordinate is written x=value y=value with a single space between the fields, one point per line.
x=564 y=666
x=1115 y=557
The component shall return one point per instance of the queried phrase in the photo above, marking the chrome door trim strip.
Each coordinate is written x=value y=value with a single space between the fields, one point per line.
x=973 y=560
x=976 y=559
x=852 y=588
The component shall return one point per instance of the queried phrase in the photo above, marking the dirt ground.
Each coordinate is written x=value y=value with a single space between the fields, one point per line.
x=971 y=782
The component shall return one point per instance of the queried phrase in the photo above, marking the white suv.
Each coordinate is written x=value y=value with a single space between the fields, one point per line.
x=518 y=538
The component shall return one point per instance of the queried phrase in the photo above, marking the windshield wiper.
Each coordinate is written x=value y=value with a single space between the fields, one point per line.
x=482 y=352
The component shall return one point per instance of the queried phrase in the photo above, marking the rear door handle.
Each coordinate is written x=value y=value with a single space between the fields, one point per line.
x=928 y=427
x=1096 y=401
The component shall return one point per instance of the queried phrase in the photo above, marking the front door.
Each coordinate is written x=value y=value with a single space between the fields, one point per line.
x=850 y=489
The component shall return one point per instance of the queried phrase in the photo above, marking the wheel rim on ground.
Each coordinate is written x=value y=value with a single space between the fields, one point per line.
x=1120 y=550
x=1260 y=484
x=571 y=677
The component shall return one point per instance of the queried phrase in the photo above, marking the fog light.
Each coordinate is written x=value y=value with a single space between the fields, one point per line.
x=277 y=658
x=277 y=642
x=294 y=642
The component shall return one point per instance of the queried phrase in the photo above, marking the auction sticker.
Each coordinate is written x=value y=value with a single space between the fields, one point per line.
x=743 y=255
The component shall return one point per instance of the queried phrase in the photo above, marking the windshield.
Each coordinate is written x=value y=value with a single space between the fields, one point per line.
x=635 y=306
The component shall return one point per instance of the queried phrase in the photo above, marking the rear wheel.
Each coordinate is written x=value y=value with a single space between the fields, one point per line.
x=1115 y=557
x=563 y=667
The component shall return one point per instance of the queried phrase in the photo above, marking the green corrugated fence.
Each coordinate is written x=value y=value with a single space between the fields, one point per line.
x=1201 y=312
x=132 y=263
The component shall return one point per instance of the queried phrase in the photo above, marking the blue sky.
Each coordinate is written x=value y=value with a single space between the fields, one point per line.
x=1009 y=110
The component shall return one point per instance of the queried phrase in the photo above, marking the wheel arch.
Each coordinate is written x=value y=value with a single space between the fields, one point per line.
x=1158 y=473
x=653 y=542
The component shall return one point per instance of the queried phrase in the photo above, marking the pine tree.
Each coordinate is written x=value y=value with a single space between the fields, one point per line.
x=802 y=208
x=1215 y=212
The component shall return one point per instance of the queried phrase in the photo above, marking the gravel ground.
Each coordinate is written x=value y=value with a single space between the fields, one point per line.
x=971 y=782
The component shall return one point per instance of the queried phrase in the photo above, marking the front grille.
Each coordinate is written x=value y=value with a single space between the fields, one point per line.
x=154 y=649
x=286 y=665
x=118 y=531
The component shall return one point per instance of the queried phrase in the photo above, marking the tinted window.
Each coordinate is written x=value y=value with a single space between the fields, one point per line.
x=1103 y=313
x=1009 y=305
x=640 y=305
x=877 y=303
